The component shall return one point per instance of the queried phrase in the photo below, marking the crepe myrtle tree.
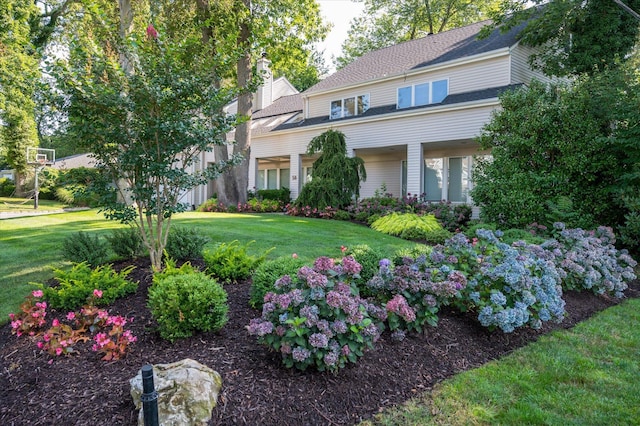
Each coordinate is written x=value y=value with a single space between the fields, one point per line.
x=147 y=124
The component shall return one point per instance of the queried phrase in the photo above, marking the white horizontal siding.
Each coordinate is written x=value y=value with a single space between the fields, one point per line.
x=521 y=72
x=463 y=78
x=381 y=171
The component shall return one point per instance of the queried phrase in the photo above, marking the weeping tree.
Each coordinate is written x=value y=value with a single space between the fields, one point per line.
x=336 y=178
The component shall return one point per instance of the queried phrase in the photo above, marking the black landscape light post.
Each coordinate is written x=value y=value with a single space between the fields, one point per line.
x=149 y=397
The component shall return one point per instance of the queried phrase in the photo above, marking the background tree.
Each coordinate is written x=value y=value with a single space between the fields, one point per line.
x=18 y=74
x=336 y=178
x=574 y=36
x=549 y=166
x=284 y=29
x=388 y=22
x=149 y=126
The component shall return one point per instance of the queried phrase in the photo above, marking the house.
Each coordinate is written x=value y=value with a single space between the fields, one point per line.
x=411 y=111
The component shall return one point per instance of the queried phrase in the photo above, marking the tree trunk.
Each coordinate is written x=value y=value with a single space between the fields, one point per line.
x=232 y=185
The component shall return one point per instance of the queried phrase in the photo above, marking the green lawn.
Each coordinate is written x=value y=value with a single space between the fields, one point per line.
x=14 y=205
x=587 y=375
x=31 y=246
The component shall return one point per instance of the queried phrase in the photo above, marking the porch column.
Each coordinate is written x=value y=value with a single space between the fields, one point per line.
x=295 y=175
x=253 y=174
x=415 y=162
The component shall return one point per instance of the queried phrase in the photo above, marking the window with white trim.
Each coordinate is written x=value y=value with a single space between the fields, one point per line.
x=273 y=178
x=348 y=107
x=447 y=179
x=431 y=92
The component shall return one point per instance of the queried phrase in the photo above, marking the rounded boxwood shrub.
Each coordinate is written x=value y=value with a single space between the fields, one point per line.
x=267 y=274
x=184 y=304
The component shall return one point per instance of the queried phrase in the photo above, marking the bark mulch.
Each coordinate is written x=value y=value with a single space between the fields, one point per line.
x=257 y=389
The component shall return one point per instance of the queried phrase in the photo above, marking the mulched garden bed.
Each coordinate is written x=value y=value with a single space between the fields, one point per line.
x=257 y=389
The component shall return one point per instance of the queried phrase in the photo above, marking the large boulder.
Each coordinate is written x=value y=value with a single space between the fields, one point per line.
x=187 y=392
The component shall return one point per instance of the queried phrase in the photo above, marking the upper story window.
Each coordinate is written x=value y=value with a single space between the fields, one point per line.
x=348 y=107
x=431 y=92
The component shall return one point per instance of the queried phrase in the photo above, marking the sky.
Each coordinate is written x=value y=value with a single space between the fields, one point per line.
x=339 y=13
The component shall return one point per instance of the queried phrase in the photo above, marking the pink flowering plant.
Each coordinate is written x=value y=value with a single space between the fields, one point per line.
x=316 y=318
x=413 y=292
x=31 y=318
x=61 y=338
x=114 y=343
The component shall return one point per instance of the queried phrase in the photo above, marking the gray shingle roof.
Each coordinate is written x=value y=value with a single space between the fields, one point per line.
x=410 y=55
x=283 y=105
x=476 y=95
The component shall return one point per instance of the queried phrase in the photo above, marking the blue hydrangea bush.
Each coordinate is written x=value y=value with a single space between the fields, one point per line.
x=316 y=318
x=508 y=286
x=413 y=293
x=589 y=260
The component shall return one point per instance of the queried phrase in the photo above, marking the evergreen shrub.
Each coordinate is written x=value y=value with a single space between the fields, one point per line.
x=84 y=247
x=183 y=304
x=185 y=243
x=76 y=285
x=230 y=262
x=126 y=242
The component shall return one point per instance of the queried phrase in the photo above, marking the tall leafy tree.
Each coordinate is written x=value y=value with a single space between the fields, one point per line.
x=18 y=74
x=574 y=36
x=548 y=166
x=336 y=178
x=284 y=29
x=388 y=22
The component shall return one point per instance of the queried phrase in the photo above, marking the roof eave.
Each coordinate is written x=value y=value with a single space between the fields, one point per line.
x=504 y=51
x=492 y=102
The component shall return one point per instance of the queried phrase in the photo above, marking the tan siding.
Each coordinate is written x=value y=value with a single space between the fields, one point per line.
x=462 y=78
x=381 y=170
x=520 y=70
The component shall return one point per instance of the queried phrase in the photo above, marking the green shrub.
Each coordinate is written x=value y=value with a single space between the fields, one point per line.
x=439 y=236
x=471 y=230
x=183 y=304
x=170 y=268
x=409 y=226
x=342 y=215
x=185 y=243
x=77 y=285
x=512 y=235
x=6 y=187
x=369 y=259
x=266 y=275
x=211 y=205
x=83 y=247
x=282 y=195
x=231 y=262
x=410 y=253
x=126 y=242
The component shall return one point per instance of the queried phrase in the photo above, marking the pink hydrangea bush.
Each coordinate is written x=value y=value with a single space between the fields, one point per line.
x=316 y=318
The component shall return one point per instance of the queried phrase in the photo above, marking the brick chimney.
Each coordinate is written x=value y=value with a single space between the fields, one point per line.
x=264 y=95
